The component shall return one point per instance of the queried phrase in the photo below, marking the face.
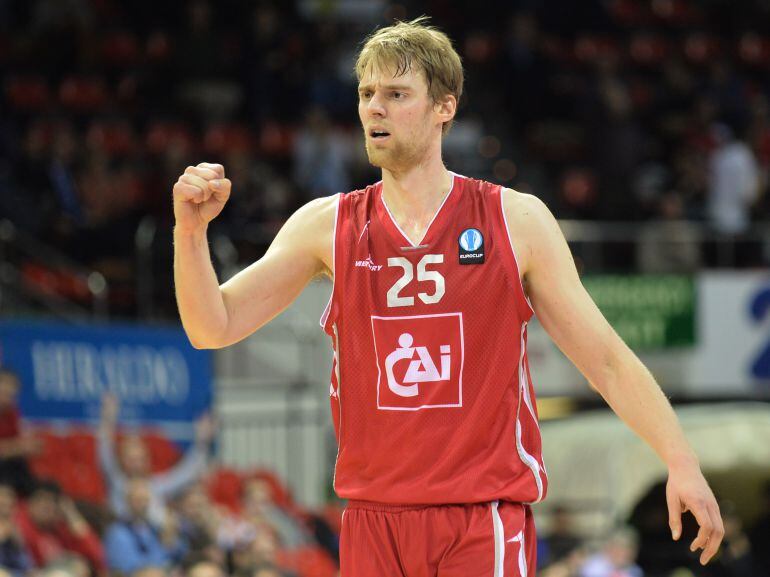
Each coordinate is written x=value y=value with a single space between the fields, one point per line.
x=7 y=501
x=194 y=503
x=400 y=111
x=44 y=508
x=138 y=497
x=205 y=570
x=257 y=492
x=9 y=388
x=135 y=458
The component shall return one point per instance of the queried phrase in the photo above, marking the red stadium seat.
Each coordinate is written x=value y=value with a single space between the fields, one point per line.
x=701 y=48
x=648 y=49
x=677 y=12
x=83 y=94
x=54 y=455
x=276 y=140
x=120 y=49
x=27 y=93
x=225 y=487
x=307 y=562
x=590 y=47
x=158 y=47
x=281 y=494
x=164 y=453
x=111 y=137
x=754 y=49
x=82 y=445
x=221 y=139
x=162 y=135
x=629 y=13
x=62 y=282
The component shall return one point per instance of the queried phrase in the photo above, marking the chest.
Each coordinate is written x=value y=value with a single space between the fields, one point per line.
x=446 y=272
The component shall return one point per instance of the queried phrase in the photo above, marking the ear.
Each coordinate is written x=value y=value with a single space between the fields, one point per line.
x=446 y=108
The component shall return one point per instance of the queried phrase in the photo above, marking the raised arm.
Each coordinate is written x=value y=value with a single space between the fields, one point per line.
x=215 y=316
x=576 y=325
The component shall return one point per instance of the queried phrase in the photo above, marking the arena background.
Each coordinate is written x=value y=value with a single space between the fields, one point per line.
x=643 y=125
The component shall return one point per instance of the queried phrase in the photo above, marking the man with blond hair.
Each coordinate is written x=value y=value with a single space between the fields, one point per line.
x=436 y=277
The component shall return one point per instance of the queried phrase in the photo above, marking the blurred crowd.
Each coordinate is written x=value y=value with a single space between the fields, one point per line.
x=189 y=518
x=621 y=110
x=151 y=522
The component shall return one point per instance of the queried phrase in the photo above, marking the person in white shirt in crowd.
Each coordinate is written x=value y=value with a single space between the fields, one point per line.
x=733 y=185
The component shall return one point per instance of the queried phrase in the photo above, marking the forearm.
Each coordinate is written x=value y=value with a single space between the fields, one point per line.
x=201 y=306
x=631 y=391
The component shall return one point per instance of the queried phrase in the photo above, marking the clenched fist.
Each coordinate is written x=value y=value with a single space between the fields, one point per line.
x=200 y=195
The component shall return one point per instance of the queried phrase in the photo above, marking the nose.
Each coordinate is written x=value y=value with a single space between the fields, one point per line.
x=376 y=107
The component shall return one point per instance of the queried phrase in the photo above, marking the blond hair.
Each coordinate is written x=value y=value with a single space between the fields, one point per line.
x=405 y=45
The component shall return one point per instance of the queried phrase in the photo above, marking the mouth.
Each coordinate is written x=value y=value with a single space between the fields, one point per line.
x=378 y=135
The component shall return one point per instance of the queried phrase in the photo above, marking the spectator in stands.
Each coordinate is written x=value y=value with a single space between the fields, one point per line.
x=322 y=156
x=134 y=542
x=760 y=534
x=616 y=558
x=733 y=182
x=135 y=463
x=204 y=568
x=737 y=558
x=668 y=244
x=259 y=505
x=52 y=527
x=67 y=566
x=15 y=443
x=13 y=554
x=561 y=540
x=261 y=554
x=201 y=524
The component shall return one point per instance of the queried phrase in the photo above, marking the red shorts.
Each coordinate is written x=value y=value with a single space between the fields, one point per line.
x=476 y=540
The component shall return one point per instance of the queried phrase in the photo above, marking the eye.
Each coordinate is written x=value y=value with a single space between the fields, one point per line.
x=365 y=94
x=399 y=95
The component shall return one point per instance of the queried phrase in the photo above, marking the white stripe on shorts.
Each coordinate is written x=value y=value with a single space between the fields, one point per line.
x=497 y=524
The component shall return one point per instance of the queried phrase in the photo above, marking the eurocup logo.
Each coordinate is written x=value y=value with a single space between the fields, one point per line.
x=471 y=239
x=471 y=246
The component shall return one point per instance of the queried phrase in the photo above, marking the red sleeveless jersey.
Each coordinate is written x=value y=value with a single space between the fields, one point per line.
x=430 y=391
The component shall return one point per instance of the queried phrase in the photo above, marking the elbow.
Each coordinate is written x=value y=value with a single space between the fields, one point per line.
x=204 y=344
x=206 y=341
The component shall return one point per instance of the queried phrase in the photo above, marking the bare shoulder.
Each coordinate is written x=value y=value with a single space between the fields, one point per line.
x=530 y=224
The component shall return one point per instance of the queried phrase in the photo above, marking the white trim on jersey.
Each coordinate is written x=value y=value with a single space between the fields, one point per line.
x=526 y=458
x=339 y=399
x=513 y=250
x=499 y=531
x=327 y=310
x=528 y=396
x=390 y=214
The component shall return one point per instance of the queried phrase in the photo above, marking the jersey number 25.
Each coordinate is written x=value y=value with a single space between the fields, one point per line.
x=423 y=274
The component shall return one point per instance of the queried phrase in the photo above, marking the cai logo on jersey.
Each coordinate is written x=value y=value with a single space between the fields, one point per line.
x=471 y=246
x=419 y=361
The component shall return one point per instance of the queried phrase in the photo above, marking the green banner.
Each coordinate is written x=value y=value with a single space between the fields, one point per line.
x=648 y=312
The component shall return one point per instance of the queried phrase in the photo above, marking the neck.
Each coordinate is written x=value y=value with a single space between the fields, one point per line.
x=415 y=193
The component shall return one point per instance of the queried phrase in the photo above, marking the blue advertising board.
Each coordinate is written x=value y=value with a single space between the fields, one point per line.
x=65 y=370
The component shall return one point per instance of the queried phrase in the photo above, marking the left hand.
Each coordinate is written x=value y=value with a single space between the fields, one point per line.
x=687 y=490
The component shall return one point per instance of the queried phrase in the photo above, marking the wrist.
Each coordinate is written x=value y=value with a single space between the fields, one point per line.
x=194 y=232
x=682 y=460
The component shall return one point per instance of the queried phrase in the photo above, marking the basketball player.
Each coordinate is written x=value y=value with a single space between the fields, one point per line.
x=436 y=276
